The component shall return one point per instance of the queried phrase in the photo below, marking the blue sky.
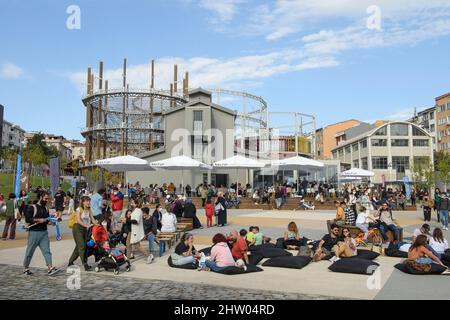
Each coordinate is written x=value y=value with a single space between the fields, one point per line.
x=307 y=56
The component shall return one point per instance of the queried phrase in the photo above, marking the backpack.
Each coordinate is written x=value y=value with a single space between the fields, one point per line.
x=72 y=220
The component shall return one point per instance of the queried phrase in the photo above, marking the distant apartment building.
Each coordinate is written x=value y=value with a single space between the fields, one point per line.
x=326 y=137
x=443 y=122
x=427 y=120
x=12 y=135
x=390 y=150
x=52 y=140
x=78 y=149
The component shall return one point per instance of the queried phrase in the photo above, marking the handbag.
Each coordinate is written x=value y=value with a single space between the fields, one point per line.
x=72 y=220
x=218 y=207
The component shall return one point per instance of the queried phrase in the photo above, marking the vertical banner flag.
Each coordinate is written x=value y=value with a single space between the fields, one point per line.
x=407 y=187
x=18 y=173
x=54 y=175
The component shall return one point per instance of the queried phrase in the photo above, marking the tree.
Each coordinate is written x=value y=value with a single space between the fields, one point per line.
x=443 y=168
x=423 y=173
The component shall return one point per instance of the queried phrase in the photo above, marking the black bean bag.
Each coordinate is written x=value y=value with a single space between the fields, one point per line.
x=261 y=247
x=255 y=258
x=365 y=254
x=280 y=243
x=273 y=253
x=237 y=270
x=435 y=269
x=206 y=251
x=354 y=265
x=446 y=256
x=189 y=266
x=298 y=262
x=393 y=251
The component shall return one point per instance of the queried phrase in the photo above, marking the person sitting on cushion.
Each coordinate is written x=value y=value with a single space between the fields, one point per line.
x=388 y=222
x=419 y=254
x=185 y=252
x=325 y=247
x=438 y=243
x=424 y=229
x=292 y=236
x=250 y=237
x=345 y=248
x=340 y=213
x=221 y=256
x=259 y=237
x=240 y=249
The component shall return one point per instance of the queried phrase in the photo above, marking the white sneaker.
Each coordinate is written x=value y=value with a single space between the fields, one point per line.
x=334 y=259
x=149 y=259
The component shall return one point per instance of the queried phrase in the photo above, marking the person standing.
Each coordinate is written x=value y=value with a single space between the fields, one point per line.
x=209 y=211
x=427 y=204
x=11 y=217
x=97 y=204
x=221 y=210
x=150 y=229
x=117 y=208
x=60 y=200
x=443 y=207
x=437 y=200
x=37 y=216
x=137 y=228
x=23 y=202
x=84 y=220
x=203 y=194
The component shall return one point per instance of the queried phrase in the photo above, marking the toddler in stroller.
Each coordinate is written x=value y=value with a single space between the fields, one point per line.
x=104 y=249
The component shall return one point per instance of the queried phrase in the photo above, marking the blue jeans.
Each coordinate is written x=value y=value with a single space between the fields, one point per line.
x=279 y=200
x=183 y=261
x=391 y=227
x=151 y=241
x=37 y=239
x=443 y=214
x=213 y=266
x=425 y=260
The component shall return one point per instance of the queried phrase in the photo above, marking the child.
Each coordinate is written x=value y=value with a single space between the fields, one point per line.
x=259 y=237
x=210 y=212
x=361 y=221
x=250 y=237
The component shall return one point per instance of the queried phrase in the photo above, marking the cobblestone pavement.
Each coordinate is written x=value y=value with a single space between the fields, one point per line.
x=16 y=286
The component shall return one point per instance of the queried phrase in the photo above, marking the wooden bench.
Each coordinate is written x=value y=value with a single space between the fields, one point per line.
x=165 y=239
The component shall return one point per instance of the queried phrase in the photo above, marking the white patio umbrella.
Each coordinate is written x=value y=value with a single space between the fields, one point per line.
x=238 y=162
x=357 y=172
x=180 y=163
x=297 y=163
x=124 y=164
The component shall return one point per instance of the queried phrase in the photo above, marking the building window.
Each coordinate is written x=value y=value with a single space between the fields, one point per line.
x=198 y=115
x=364 y=164
x=363 y=144
x=347 y=150
x=379 y=162
x=442 y=121
x=379 y=142
x=400 y=163
x=334 y=155
x=399 y=129
x=381 y=131
x=355 y=163
x=355 y=147
x=431 y=115
x=399 y=142
x=432 y=128
x=421 y=162
x=341 y=152
x=421 y=143
x=418 y=132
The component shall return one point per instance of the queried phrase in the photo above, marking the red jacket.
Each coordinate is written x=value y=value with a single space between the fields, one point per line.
x=117 y=201
x=209 y=210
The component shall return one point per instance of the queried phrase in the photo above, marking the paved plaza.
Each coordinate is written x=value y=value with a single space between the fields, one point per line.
x=159 y=281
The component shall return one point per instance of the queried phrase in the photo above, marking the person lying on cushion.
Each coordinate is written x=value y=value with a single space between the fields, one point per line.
x=240 y=249
x=419 y=254
x=345 y=248
x=185 y=252
x=325 y=247
x=221 y=256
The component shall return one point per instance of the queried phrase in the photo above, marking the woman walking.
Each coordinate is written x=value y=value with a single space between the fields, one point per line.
x=221 y=209
x=84 y=220
x=137 y=228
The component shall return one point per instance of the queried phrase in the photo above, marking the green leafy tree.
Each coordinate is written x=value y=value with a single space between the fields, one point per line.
x=423 y=173
x=443 y=168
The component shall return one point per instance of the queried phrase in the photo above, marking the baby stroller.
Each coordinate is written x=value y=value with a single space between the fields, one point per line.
x=104 y=249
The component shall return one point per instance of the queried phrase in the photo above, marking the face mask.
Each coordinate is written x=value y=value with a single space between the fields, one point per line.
x=44 y=203
x=104 y=224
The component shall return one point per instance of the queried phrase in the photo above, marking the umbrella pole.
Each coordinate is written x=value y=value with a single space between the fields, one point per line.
x=182 y=181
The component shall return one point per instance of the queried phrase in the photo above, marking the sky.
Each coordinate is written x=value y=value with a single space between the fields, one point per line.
x=337 y=59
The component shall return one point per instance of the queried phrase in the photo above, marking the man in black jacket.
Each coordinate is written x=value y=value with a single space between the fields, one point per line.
x=37 y=216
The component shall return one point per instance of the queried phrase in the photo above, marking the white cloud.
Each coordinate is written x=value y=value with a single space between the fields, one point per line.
x=211 y=73
x=10 y=71
x=287 y=17
x=404 y=113
x=224 y=9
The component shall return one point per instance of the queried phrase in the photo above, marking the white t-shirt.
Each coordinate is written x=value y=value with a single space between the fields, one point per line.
x=168 y=222
x=417 y=232
x=437 y=246
x=361 y=219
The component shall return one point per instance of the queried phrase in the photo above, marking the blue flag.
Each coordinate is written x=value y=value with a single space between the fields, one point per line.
x=18 y=174
x=407 y=187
